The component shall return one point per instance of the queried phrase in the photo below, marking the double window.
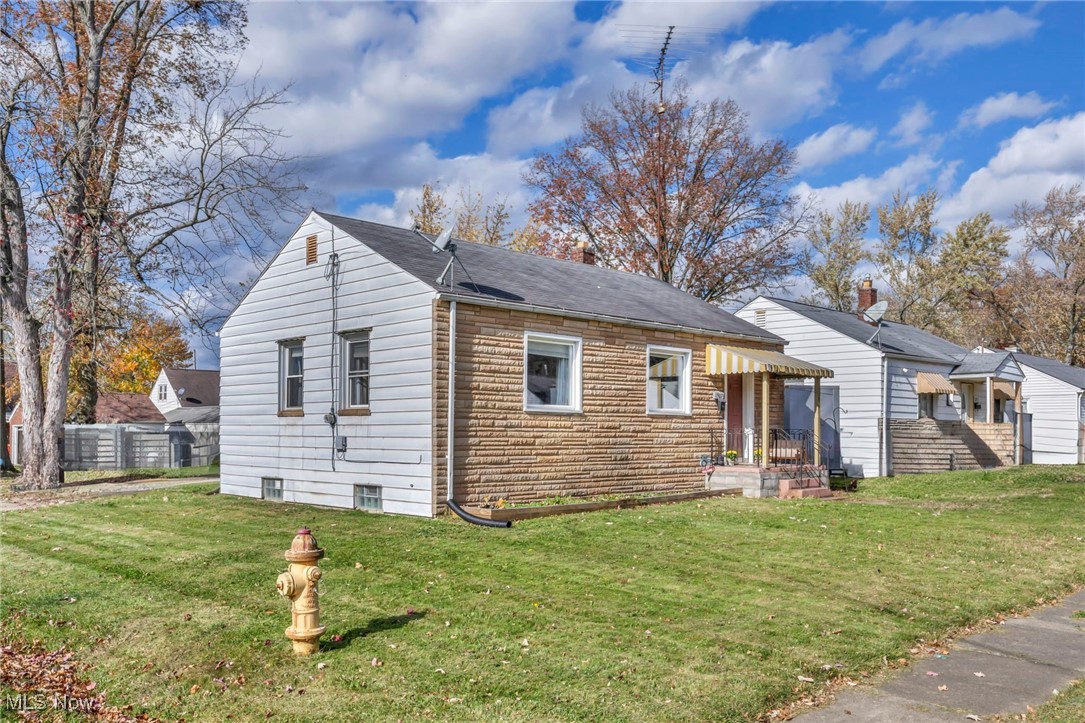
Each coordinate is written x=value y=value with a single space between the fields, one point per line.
x=355 y=366
x=668 y=380
x=551 y=373
x=291 y=367
x=162 y=395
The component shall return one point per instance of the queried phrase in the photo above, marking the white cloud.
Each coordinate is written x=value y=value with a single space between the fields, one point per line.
x=914 y=173
x=909 y=129
x=1027 y=165
x=775 y=82
x=365 y=74
x=932 y=40
x=832 y=144
x=1003 y=106
x=608 y=57
x=494 y=177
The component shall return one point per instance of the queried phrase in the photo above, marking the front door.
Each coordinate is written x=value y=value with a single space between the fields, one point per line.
x=734 y=413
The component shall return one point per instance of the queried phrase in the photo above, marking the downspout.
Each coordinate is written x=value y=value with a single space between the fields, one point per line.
x=451 y=439
x=886 y=466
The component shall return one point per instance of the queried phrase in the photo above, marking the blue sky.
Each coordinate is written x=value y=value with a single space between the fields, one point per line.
x=983 y=101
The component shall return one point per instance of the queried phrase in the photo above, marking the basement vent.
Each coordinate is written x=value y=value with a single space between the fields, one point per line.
x=310 y=250
x=761 y=317
x=272 y=488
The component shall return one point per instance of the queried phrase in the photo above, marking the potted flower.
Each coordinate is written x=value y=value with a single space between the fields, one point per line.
x=732 y=456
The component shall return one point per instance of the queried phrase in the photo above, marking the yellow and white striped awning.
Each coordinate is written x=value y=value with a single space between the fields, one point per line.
x=720 y=360
x=933 y=383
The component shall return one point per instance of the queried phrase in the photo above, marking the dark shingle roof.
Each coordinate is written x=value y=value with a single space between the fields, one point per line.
x=556 y=284
x=895 y=338
x=195 y=387
x=1075 y=376
x=980 y=363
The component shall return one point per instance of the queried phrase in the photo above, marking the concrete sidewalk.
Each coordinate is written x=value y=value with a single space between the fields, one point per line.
x=1022 y=661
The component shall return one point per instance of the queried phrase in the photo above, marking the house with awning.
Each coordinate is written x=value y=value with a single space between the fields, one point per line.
x=363 y=370
x=902 y=400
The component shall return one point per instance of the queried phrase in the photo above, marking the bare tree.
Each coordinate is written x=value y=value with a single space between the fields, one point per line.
x=127 y=146
x=481 y=222
x=1055 y=233
x=836 y=249
x=679 y=191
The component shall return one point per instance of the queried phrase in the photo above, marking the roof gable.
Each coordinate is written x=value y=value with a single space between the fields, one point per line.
x=490 y=273
x=194 y=387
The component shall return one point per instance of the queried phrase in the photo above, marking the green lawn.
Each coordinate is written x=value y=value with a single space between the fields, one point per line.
x=705 y=610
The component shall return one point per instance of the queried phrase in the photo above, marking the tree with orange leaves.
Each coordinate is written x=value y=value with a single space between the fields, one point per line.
x=128 y=154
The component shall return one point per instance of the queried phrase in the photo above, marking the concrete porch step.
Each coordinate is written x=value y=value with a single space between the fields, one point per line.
x=803 y=487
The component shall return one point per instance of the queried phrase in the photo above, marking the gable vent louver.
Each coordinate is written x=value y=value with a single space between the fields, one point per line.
x=761 y=317
x=310 y=250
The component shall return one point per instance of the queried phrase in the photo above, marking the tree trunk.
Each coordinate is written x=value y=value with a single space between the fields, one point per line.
x=27 y=341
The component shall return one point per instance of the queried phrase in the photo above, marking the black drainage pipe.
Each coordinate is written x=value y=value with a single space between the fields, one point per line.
x=474 y=520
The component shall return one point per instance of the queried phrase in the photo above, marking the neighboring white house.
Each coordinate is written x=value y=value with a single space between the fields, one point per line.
x=1055 y=396
x=947 y=407
x=176 y=388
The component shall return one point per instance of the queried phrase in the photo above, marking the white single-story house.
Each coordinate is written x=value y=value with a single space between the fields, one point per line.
x=359 y=371
x=1054 y=395
x=947 y=407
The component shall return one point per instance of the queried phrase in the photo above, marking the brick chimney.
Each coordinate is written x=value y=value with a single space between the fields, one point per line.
x=584 y=254
x=868 y=297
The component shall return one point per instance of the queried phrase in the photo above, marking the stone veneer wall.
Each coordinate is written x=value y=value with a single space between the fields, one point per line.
x=928 y=445
x=613 y=446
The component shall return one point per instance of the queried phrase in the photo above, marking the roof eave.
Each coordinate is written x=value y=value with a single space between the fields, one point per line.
x=768 y=338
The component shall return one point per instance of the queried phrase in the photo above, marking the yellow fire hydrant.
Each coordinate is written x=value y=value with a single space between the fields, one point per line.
x=299 y=583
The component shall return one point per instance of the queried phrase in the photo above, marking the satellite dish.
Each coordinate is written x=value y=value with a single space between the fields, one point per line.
x=442 y=240
x=876 y=312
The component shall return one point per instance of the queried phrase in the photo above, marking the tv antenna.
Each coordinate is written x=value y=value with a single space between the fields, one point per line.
x=874 y=315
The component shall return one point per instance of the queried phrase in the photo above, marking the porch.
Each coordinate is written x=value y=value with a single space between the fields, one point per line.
x=750 y=449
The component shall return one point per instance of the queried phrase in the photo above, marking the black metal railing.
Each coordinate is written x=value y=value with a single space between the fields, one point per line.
x=790 y=450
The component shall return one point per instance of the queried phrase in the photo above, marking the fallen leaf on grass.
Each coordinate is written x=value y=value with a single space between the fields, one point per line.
x=337 y=638
x=979 y=675
x=321 y=666
x=971 y=716
x=932 y=674
x=804 y=679
x=943 y=688
x=376 y=662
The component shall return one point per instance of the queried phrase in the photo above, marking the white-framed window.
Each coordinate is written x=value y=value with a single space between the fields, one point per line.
x=162 y=394
x=355 y=366
x=552 y=367
x=926 y=405
x=368 y=497
x=272 y=488
x=668 y=380
x=291 y=368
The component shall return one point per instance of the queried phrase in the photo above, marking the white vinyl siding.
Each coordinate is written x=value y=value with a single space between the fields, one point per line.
x=857 y=371
x=903 y=394
x=391 y=447
x=1056 y=427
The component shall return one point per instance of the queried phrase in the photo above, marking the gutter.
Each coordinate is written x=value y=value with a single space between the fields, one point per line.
x=625 y=321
